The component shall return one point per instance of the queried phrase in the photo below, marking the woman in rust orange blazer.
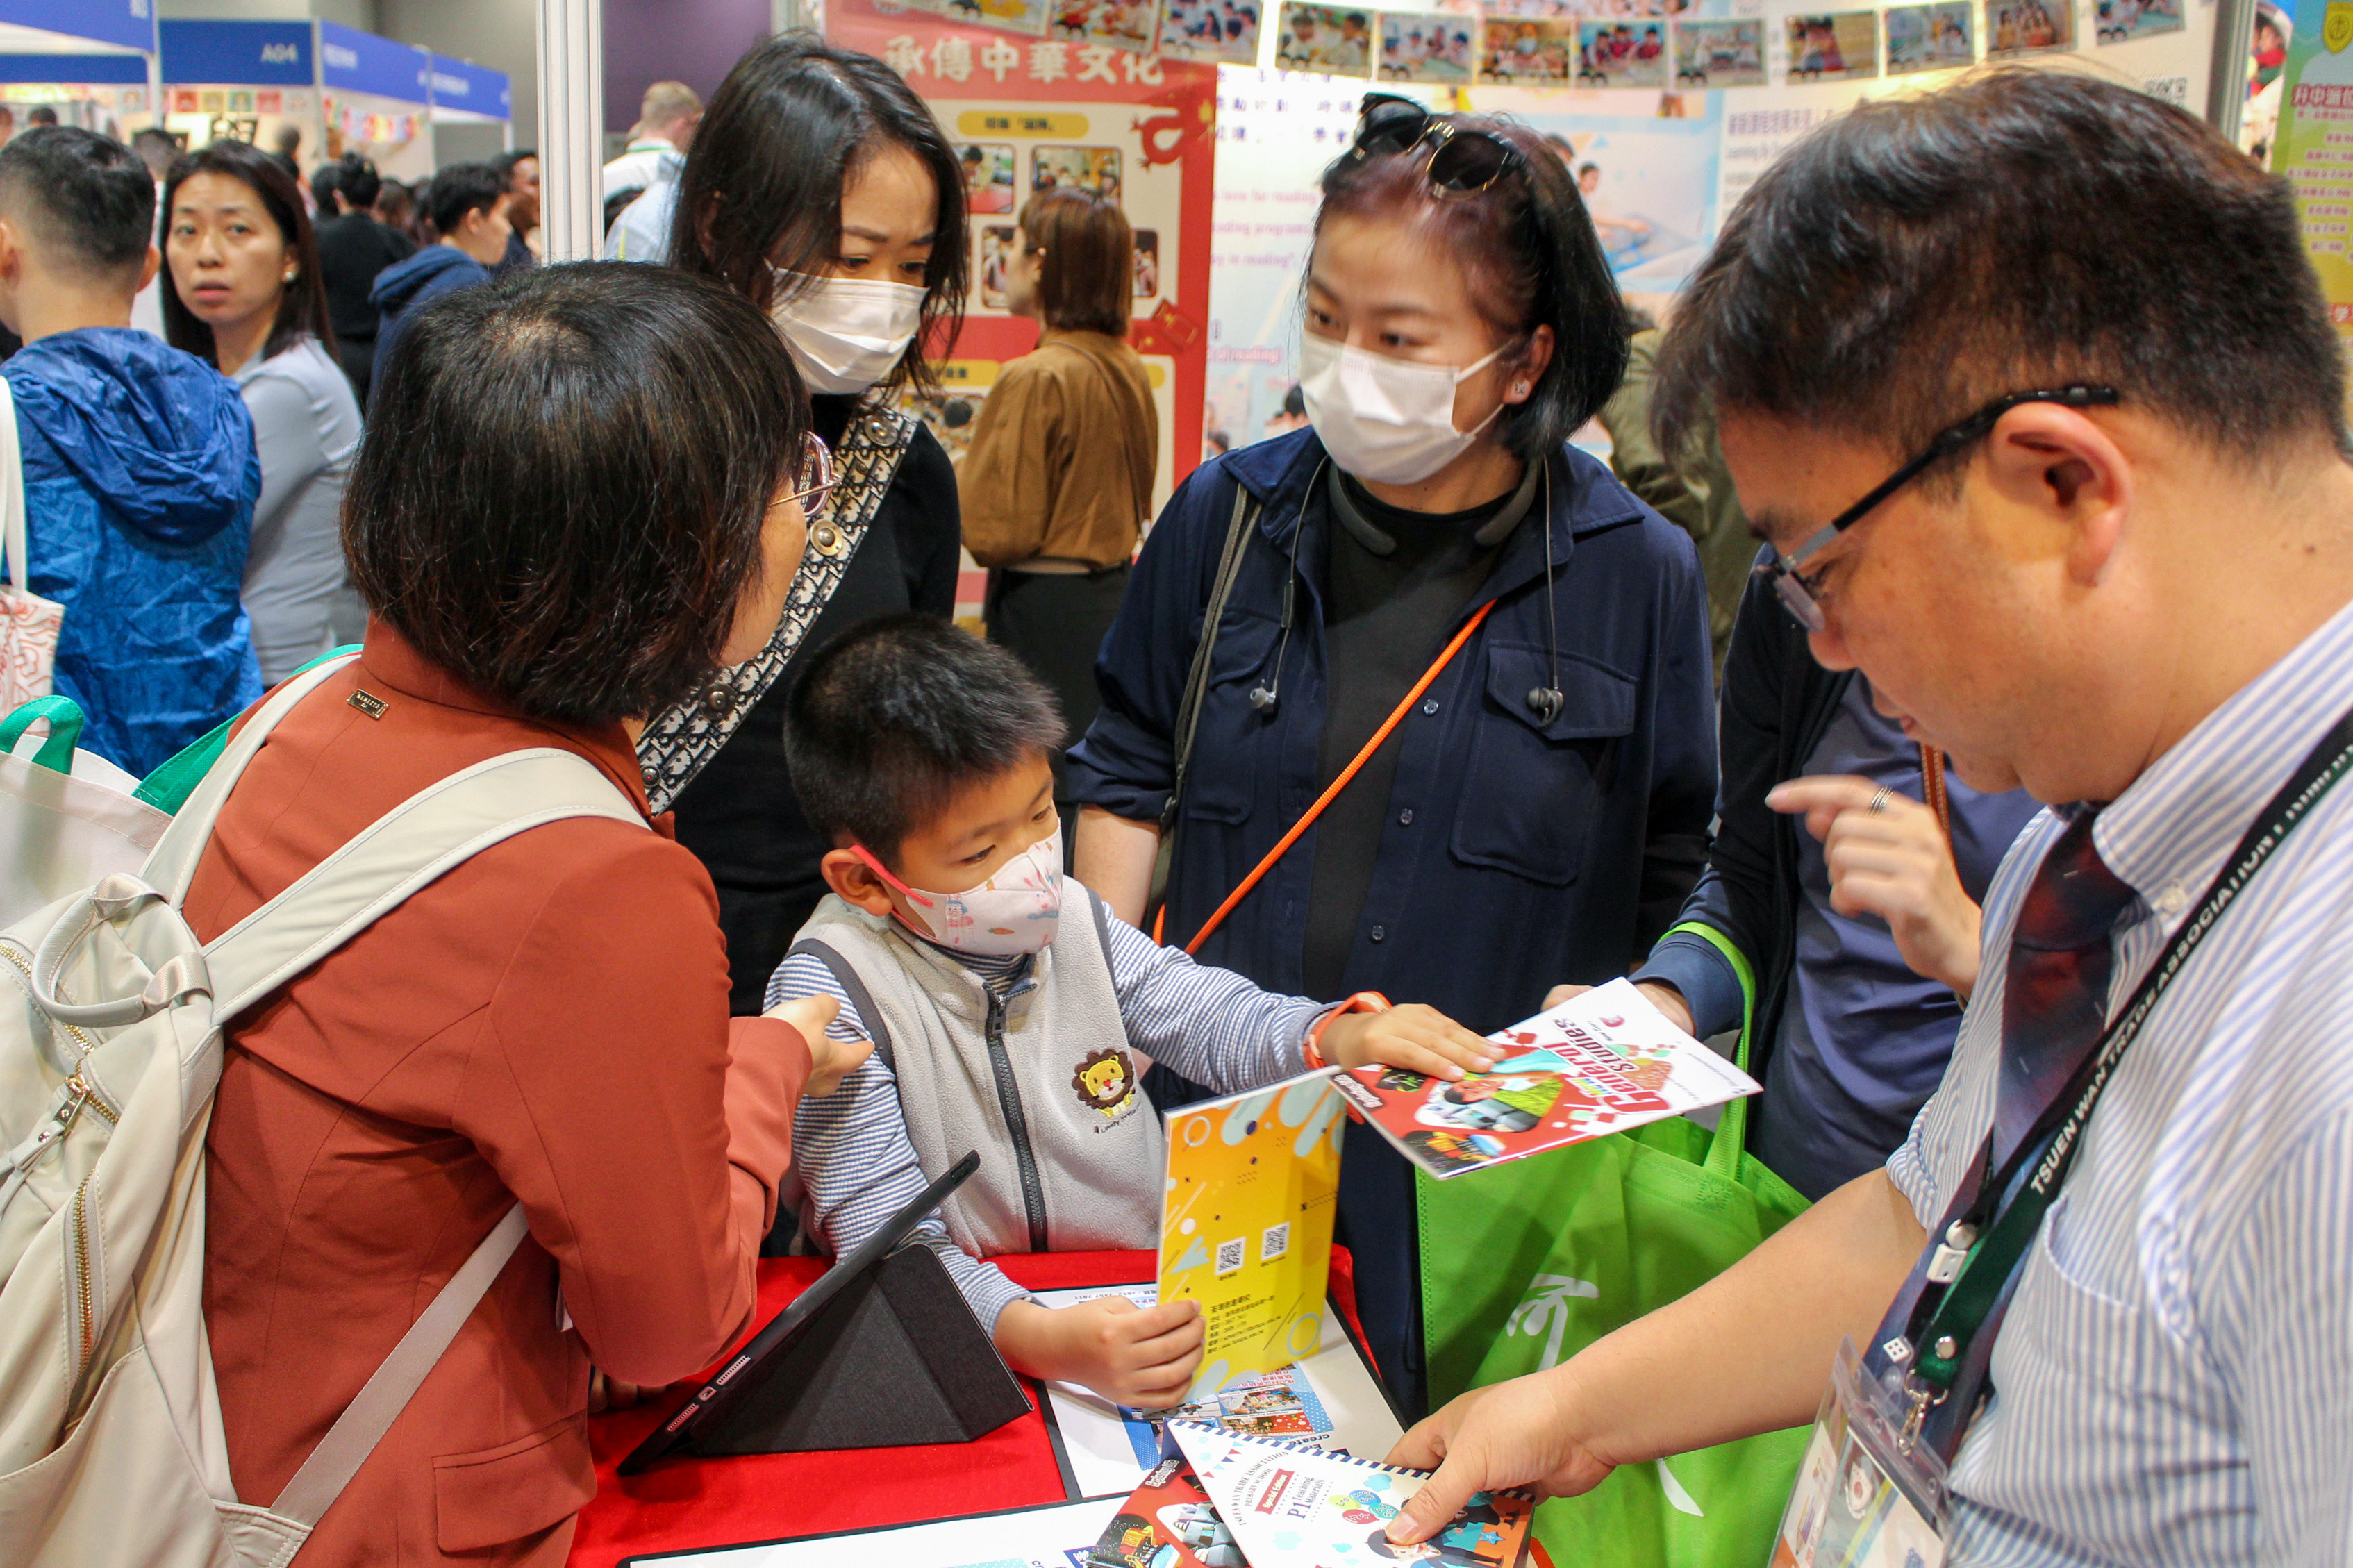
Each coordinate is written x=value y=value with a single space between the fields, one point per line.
x=581 y=494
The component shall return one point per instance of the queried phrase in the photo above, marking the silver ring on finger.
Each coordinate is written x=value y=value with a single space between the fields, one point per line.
x=1879 y=799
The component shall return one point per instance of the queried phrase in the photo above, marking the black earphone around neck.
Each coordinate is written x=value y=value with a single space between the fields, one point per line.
x=1544 y=702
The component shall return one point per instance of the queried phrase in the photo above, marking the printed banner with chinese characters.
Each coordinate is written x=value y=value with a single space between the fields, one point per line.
x=1084 y=105
x=2314 y=147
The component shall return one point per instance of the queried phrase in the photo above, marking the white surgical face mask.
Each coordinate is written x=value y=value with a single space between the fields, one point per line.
x=1014 y=911
x=1387 y=420
x=846 y=333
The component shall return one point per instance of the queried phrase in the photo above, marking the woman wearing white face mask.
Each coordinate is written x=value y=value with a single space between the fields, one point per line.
x=1430 y=585
x=822 y=190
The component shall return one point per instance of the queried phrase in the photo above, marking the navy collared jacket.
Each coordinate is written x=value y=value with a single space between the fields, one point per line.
x=1520 y=852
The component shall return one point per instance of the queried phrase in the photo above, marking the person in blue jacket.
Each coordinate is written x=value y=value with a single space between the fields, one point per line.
x=468 y=204
x=1541 y=810
x=140 y=472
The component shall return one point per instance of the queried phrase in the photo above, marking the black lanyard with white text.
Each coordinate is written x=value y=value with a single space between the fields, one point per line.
x=1972 y=1264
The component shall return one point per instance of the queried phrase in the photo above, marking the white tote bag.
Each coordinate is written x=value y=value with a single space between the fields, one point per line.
x=68 y=818
x=28 y=624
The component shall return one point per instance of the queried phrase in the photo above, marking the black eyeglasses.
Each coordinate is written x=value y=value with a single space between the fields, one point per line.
x=813 y=479
x=1462 y=163
x=1800 y=591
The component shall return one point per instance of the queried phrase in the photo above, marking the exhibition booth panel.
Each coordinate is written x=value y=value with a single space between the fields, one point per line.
x=375 y=97
x=242 y=81
x=91 y=61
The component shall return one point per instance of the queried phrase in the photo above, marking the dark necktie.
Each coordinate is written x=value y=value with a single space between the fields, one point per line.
x=2054 y=1008
x=2056 y=990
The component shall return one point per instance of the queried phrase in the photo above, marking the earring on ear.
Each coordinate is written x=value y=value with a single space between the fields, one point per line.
x=1520 y=388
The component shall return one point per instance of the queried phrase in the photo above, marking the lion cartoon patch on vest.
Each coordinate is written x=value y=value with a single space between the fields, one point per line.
x=1105 y=1082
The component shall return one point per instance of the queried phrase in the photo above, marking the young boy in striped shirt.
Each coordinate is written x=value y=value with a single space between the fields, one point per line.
x=1016 y=1016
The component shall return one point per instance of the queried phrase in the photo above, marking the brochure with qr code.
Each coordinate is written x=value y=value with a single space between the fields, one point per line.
x=1246 y=1220
x=1596 y=1063
x=1287 y=1507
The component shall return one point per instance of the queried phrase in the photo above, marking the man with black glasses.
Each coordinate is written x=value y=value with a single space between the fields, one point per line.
x=2048 y=442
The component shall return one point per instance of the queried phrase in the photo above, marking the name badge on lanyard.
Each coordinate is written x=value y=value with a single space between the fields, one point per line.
x=1862 y=1500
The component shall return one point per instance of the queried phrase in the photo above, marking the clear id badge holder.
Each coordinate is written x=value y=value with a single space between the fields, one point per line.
x=1865 y=1498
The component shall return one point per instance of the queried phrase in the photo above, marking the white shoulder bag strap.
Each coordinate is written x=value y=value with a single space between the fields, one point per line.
x=172 y=865
x=15 y=552
x=408 y=848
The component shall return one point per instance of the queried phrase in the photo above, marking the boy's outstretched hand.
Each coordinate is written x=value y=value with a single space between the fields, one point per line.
x=1418 y=1038
x=1140 y=1356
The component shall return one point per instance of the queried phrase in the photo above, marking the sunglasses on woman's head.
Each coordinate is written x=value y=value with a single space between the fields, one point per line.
x=1462 y=163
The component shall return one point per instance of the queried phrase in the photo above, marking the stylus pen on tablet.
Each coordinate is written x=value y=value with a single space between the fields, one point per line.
x=672 y=1433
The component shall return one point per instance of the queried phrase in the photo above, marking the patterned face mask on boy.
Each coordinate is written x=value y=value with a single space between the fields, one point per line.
x=1014 y=911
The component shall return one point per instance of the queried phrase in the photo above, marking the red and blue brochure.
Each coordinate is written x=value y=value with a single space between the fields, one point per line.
x=1596 y=1063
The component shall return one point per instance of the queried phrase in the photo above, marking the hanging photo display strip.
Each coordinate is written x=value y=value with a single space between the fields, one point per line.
x=1437 y=46
x=1720 y=54
x=1211 y=32
x=1929 y=37
x=1588 y=45
x=1326 y=40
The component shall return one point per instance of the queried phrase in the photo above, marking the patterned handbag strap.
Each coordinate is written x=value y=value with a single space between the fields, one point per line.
x=681 y=740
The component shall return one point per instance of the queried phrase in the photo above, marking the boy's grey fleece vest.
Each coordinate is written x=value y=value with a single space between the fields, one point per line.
x=1044 y=1083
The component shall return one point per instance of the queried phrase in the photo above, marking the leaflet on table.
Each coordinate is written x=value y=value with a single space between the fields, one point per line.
x=1246 y=1219
x=1331 y=1399
x=1293 y=1508
x=1597 y=1064
x=1055 y=1536
x=1167 y=1521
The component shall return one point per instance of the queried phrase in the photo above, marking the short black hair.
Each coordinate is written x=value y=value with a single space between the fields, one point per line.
x=784 y=132
x=324 y=181
x=89 y=200
x=357 y=179
x=505 y=162
x=460 y=189
x=303 y=308
x=1527 y=247
x=1295 y=402
x=1916 y=258
x=566 y=473
x=42 y=115
x=895 y=715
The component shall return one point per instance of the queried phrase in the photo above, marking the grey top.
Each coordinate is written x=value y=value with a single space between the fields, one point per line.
x=306 y=426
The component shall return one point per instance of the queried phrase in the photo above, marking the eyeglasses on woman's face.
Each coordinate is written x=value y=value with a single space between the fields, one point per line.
x=1462 y=162
x=1802 y=592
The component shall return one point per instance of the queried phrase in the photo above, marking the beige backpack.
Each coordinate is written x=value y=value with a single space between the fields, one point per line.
x=111 y=1451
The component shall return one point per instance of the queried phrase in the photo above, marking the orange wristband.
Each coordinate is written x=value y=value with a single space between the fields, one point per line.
x=1362 y=1002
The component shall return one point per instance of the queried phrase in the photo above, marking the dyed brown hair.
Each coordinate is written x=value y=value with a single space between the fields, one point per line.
x=1087 y=282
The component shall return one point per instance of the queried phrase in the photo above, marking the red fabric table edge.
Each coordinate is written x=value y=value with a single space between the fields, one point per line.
x=708 y=1503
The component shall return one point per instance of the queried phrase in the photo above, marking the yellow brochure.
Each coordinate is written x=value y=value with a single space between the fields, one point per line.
x=1246 y=1221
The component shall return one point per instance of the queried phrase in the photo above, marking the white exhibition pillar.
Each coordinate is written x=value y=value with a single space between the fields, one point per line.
x=571 y=129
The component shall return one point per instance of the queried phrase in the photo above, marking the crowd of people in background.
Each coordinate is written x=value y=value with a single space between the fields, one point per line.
x=675 y=518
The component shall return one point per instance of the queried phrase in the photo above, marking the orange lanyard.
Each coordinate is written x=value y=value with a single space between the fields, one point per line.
x=1332 y=792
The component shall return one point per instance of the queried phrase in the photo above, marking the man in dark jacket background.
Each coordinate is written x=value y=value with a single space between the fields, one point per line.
x=140 y=473
x=468 y=205
x=354 y=249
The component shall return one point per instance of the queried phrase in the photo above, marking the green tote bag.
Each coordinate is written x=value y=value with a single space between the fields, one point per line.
x=1523 y=1266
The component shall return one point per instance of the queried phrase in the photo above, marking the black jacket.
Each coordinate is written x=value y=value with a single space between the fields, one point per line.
x=1777 y=702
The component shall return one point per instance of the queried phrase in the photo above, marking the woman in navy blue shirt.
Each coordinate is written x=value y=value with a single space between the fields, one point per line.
x=1542 y=809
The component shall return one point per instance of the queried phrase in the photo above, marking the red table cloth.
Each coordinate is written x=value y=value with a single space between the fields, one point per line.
x=689 y=1502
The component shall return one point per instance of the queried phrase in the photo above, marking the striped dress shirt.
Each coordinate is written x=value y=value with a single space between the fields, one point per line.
x=2173 y=1383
